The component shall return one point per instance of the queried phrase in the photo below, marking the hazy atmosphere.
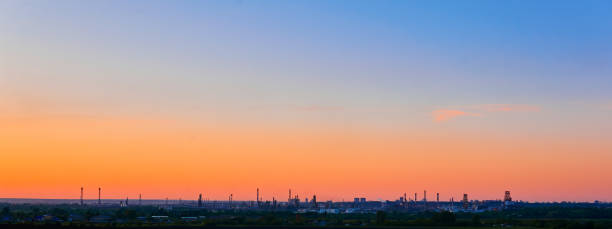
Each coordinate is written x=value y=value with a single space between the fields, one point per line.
x=335 y=98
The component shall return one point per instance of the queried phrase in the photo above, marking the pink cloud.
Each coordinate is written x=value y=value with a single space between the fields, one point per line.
x=442 y=115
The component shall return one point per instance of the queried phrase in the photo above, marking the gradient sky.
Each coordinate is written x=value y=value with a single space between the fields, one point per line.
x=335 y=98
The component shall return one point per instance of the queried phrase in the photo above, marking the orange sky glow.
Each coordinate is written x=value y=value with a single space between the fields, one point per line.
x=53 y=156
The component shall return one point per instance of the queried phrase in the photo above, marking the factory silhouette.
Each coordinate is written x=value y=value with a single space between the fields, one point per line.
x=295 y=203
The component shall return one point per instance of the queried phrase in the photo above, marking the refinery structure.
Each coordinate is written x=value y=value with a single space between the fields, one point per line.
x=295 y=203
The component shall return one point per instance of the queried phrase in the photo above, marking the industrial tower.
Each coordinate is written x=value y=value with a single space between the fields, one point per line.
x=231 y=197
x=81 y=196
x=507 y=196
x=465 y=201
x=200 y=201
x=507 y=199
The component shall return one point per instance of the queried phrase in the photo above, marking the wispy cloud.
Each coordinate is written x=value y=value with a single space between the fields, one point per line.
x=303 y=108
x=442 y=115
x=598 y=105
x=319 y=108
x=508 y=108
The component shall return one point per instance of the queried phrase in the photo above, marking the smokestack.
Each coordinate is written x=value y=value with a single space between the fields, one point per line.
x=200 y=201
x=99 y=196
x=257 y=196
x=415 y=197
x=438 y=197
x=289 y=200
x=139 y=199
x=424 y=195
x=81 y=196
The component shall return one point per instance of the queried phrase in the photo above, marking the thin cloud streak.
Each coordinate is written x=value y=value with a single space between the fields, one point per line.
x=319 y=108
x=508 y=108
x=442 y=115
x=308 y=108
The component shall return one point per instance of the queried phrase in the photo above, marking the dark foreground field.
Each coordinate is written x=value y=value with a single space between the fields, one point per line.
x=76 y=216
x=47 y=226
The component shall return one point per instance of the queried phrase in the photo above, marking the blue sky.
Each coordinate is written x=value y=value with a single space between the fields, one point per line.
x=406 y=58
x=446 y=51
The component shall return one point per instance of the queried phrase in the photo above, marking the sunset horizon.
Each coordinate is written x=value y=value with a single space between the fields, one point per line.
x=338 y=99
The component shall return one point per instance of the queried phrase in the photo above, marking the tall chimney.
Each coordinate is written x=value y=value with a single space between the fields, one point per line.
x=200 y=201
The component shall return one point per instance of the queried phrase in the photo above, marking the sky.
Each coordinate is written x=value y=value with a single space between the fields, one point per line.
x=340 y=99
